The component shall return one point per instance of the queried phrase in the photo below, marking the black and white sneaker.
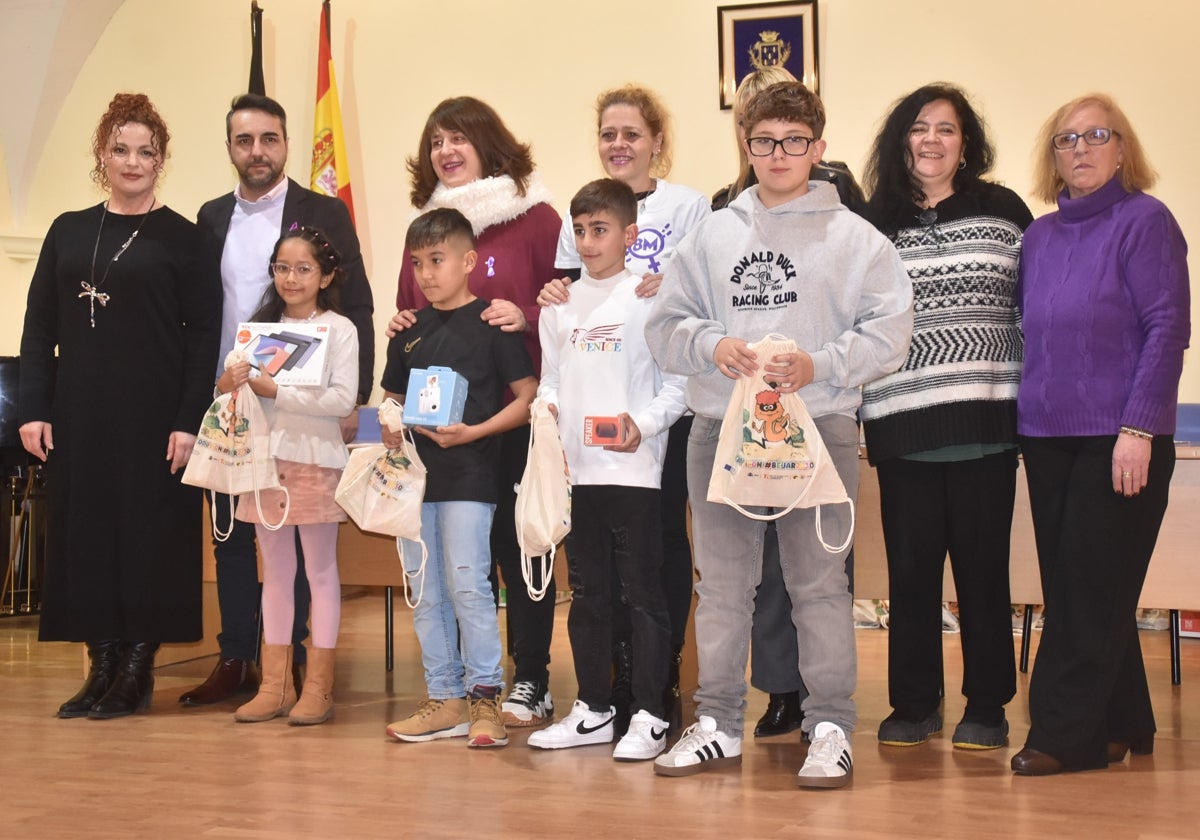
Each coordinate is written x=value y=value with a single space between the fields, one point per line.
x=645 y=738
x=528 y=704
x=701 y=747
x=830 y=761
x=580 y=728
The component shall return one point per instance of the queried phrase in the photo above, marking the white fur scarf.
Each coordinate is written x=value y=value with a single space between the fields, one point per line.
x=489 y=201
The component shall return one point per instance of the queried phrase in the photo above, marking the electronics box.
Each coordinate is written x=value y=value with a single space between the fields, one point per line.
x=294 y=354
x=601 y=431
x=1189 y=624
x=436 y=397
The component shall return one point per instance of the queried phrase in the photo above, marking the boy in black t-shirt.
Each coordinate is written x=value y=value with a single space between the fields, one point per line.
x=455 y=619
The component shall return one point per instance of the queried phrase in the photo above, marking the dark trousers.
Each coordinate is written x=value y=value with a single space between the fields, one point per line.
x=963 y=508
x=239 y=594
x=1094 y=546
x=677 y=573
x=616 y=532
x=774 y=652
x=529 y=623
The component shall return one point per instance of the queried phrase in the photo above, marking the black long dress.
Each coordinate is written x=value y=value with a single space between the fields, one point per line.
x=124 y=536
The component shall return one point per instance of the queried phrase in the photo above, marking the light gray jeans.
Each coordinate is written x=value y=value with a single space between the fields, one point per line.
x=728 y=549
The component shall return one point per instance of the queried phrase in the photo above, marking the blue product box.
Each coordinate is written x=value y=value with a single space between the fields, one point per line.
x=436 y=397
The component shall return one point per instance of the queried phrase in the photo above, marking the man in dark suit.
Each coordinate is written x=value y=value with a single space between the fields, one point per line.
x=243 y=226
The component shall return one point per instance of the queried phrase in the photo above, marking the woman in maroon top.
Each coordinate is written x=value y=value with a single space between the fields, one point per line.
x=467 y=159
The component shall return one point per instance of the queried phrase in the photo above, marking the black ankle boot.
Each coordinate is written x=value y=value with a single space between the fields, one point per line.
x=672 y=702
x=133 y=685
x=622 y=686
x=104 y=656
x=782 y=715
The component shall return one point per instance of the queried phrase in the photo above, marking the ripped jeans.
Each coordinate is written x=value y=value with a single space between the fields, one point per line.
x=617 y=531
x=456 y=617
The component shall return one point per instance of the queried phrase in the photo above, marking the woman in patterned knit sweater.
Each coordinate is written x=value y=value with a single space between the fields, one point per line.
x=942 y=429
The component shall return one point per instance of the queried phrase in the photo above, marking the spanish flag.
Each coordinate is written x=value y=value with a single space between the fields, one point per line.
x=330 y=167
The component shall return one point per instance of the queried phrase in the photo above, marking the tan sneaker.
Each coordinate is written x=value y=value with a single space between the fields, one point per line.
x=487 y=729
x=433 y=719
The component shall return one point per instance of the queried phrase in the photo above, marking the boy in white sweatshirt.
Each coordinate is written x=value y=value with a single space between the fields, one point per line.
x=784 y=257
x=601 y=381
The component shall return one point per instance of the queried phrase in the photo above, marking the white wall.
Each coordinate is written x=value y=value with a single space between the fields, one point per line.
x=541 y=63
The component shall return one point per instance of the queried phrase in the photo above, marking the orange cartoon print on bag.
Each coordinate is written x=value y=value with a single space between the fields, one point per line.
x=771 y=421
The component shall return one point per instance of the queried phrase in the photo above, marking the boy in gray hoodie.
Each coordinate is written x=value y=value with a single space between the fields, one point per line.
x=784 y=257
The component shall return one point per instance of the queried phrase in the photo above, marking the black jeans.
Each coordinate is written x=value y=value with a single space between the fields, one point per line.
x=616 y=532
x=239 y=594
x=1094 y=546
x=963 y=508
x=529 y=623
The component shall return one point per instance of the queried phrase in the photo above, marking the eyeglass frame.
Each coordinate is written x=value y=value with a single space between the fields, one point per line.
x=778 y=144
x=1076 y=136
x=301 y=270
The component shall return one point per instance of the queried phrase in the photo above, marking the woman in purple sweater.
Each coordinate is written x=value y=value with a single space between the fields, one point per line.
x=1105 y=298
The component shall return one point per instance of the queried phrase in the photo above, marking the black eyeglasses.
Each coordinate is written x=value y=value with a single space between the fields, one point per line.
x=765 y=146
x=1093 y=137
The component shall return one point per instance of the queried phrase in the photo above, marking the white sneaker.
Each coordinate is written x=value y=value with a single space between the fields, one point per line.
x=528 y=704
x=701 y=747
x=581 y=727
x=830 y=761
x=646 y=738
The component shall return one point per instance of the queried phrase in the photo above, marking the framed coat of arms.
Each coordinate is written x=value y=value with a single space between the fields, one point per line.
x=757 y=35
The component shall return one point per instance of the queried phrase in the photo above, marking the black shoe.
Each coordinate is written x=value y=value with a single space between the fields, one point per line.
x=622 y=686
x=783 y=715
x=133 y=686
x=229 y=678
x=895 y=730
x=105 y=656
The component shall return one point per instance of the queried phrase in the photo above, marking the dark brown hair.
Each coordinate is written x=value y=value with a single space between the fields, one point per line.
x=436 y=226
x=127 y=108
x=606 y=195
x=787 y=102
x=255 y=102
x=499 y=151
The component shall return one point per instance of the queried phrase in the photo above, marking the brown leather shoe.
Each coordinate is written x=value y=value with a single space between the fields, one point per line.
x=1031 y=762
x=229 y=678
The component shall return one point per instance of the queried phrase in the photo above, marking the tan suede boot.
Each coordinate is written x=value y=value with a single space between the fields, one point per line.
x=316 y=700
x=276 y=693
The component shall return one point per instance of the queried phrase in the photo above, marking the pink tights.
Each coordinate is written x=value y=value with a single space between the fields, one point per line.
x=279 y=575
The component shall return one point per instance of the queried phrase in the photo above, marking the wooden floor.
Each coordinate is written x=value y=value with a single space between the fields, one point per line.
x=184 y=773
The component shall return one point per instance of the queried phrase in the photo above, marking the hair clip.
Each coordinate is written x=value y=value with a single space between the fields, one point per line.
x=295 y=226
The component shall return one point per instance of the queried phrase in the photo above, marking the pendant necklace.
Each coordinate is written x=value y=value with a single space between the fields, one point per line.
x=92 y=290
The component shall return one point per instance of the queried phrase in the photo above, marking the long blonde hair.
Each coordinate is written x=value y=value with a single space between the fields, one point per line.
x=1135 y=172
x=752 y=84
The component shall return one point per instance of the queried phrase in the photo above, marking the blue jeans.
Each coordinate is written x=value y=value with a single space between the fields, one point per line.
x=456 y=618
x=729 y=559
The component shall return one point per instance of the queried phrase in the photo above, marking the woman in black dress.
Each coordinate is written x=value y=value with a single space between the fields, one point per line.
x=124 y=293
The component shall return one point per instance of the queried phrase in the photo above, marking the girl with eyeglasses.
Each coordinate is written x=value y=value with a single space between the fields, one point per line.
x=941 y=431
x=1105 y=300
x=306 y=442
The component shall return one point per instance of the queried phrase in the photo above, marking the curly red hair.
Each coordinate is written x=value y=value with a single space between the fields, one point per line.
x=127 y=108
